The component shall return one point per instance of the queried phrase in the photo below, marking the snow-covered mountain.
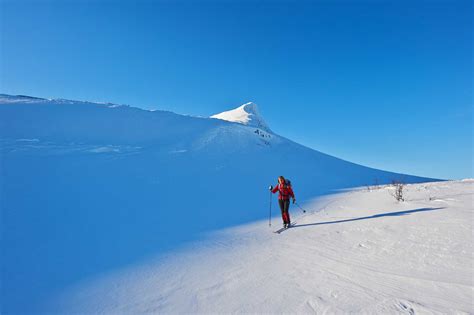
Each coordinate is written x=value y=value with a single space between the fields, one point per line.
x=89 y=187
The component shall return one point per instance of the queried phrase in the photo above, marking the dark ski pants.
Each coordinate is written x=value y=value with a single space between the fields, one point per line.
x=284 y=206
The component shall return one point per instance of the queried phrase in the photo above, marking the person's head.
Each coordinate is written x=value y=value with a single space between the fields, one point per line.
x=281 y=180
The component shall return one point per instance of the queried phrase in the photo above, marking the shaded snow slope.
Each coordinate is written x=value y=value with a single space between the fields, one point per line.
x=356 y=252
x=246 y=114
x=87 y=188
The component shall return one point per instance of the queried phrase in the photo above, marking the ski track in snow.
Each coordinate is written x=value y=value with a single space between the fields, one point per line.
x=355 y=252
x=49 y=148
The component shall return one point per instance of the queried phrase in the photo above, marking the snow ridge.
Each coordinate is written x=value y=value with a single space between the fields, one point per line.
x=247 y=114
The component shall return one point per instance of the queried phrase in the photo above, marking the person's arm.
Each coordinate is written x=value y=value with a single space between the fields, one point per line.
x=292 y=194
x=274 y=190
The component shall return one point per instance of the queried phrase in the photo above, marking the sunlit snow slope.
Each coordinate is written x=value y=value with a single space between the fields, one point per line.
x=357 y=252
x=87 y=188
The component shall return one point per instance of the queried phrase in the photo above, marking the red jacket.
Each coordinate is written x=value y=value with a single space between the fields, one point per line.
x=285 y=192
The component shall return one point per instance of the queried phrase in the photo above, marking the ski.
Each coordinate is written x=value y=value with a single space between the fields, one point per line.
x=284 y=228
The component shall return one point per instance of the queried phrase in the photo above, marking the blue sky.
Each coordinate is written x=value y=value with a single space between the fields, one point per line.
x=387 y=84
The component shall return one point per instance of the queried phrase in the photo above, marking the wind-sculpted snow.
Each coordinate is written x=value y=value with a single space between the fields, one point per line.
x=247 y=114
x=87 y=188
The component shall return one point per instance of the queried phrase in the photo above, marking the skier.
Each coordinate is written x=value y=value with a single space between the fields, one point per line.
x=285 y=191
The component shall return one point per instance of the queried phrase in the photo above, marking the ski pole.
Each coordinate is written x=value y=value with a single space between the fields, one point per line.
x=270 y=214
x=304 y=211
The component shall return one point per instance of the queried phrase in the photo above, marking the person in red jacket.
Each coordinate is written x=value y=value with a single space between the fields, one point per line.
x=285 y=192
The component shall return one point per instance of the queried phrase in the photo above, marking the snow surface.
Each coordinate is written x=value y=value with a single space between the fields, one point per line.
x=355 y=252
x=88 y=188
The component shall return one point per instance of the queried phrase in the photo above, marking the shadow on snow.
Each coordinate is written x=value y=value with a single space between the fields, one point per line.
x=388 y=214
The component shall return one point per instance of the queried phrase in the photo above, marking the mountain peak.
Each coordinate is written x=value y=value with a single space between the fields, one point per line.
x=246 y=114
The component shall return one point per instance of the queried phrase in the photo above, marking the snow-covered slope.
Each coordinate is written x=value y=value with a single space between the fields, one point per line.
x=87 y=188
x=356 y=252
x=246 y=114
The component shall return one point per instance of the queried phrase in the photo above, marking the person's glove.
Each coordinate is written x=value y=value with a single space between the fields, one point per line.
x=271 y=187
x=294 y=200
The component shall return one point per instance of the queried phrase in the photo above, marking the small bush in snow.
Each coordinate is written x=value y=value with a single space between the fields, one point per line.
x=398 y=192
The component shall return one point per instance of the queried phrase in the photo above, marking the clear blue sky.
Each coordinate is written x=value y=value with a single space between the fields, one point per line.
x=387 y=84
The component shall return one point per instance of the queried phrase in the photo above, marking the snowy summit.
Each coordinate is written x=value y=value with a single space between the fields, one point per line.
x=246 y=114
